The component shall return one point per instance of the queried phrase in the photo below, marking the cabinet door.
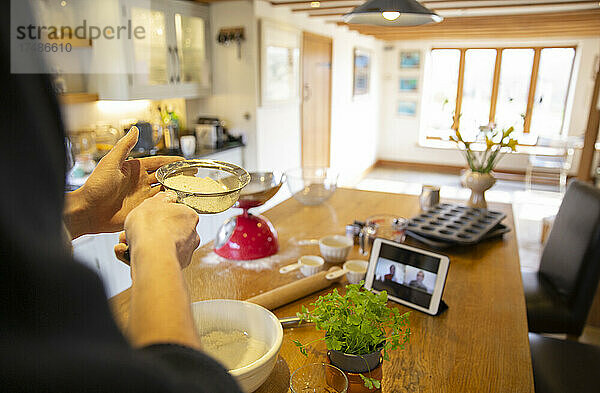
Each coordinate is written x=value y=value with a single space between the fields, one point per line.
x=151 y=59
x=192 y=68
x=96 y=252
x=234 y=156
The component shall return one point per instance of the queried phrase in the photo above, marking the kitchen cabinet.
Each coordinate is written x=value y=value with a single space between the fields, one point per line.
x=96 y=252
x=172 y=60
x=191 y=49
x=234 y=156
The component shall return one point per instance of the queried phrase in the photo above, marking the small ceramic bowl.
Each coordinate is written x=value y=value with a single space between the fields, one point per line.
x=308 y=265
x=356 y=270
x=335 y=248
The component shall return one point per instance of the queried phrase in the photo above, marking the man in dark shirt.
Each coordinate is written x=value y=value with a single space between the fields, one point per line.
x=56 y=330
x=418 y=281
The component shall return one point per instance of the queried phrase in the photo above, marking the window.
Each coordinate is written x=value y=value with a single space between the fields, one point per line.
x=477 y=88
x=444 y=82
x=525 y=88
x=513 y=90
x=551 y=91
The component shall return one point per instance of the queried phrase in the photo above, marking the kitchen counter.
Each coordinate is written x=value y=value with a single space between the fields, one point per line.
x=204 y=152
x=199 y=154
x=479 y=344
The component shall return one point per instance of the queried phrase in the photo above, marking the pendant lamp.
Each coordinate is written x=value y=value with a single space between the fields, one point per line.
x=392 y=13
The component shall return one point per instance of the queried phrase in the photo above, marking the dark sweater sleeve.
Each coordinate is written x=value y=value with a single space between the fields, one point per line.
x=58 y=335
x=196 y=371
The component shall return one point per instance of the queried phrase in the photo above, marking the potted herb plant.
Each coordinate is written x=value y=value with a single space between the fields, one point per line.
x=359 y=329
x=479 y=177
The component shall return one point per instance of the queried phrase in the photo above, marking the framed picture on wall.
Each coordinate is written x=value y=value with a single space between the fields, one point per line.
x=409 y=85
x=362 y=71
x=410 y=59
x=406 y=108
x=279 y=63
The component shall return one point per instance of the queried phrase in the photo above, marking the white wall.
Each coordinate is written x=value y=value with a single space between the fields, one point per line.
x=233 y=96
x=354 y=123
x=355 y=120
x=399 y=136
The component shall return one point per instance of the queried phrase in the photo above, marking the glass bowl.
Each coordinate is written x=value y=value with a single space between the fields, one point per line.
x=231 y=177
x=318 y=377
x=262 y=187
x=312 y=185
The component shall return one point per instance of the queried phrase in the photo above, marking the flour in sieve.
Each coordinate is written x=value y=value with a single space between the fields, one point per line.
x=204 y=185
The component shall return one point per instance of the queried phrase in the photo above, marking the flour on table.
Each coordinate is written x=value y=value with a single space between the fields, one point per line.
x=258 y=265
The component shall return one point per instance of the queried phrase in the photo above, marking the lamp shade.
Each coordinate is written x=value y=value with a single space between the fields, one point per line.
x=392 y=13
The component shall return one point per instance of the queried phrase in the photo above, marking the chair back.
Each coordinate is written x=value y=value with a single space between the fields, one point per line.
x=571 y=258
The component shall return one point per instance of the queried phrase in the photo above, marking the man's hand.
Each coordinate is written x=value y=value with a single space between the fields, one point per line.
x=162 y=237
x=113 y=190
x=159 y=224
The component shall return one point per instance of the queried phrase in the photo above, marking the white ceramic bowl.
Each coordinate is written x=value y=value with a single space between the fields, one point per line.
x=257 y=321
x=335 y=248
x=310 y=264
x=356 y=270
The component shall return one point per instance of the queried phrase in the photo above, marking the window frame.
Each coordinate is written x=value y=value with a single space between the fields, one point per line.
x=496 y=81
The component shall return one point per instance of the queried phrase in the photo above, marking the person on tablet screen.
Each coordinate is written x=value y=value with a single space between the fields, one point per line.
x=418 y=282
x=390 y=275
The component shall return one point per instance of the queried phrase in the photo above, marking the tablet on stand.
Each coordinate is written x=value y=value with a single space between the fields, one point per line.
x=410 y=276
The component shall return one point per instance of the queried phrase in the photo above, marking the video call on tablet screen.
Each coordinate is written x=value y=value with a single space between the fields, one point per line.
x=406 y=275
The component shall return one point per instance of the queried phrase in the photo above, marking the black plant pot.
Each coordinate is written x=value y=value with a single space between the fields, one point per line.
x=355 y=363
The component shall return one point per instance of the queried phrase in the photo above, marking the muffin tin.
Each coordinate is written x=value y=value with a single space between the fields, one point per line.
x=497 y=231
x=455 y=223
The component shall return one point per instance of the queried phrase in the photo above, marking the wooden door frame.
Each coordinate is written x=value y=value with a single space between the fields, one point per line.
x=329 y=40
x=591 y=134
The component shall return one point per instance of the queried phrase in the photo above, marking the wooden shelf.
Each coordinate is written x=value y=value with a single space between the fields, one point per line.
x=77 y=98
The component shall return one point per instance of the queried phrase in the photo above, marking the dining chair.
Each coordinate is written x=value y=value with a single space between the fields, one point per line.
x=558 y=297
x=561 y=366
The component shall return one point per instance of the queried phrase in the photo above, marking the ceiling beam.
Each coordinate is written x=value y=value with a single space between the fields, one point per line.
x=515 y=5
x=563 y=24
x=335 y=7
x=357 y=2
x=518 y=9
x=329 y=14
x=496 y=6
x=443 y=4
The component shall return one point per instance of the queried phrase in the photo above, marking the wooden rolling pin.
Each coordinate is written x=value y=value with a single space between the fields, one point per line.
x=293 y=291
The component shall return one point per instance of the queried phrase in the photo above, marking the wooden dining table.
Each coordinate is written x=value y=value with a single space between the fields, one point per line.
x=480 y=344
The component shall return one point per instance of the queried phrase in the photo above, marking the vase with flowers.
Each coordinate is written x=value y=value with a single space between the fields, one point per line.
x=482 y=155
